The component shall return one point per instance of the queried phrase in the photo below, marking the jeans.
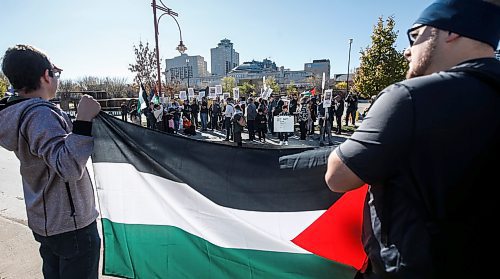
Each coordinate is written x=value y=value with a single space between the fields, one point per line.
x=72 y=254
x=195 y=119
x=204 y=121
x=227 y=124
x=325 y=129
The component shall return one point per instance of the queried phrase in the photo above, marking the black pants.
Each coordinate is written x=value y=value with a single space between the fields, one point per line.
x=261 y=133
x=251 y=129
x=339 y=123
x=303 y=130
x=124 y=116
x=214 y=122
x=195 y=119
x=270 y=123
x=238 y=139
x=352 y=115
x=72 y=254
x=283 y=136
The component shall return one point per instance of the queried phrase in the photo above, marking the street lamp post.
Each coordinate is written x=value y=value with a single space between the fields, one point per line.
x=187 y=69
x=348 y=65
x=181 y=47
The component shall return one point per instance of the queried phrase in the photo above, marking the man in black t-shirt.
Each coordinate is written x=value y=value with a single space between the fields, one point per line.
x=352 y=108
x=125 y=110
x=429 y=205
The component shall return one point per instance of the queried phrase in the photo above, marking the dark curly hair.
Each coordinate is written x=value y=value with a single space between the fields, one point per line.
x=24 y=65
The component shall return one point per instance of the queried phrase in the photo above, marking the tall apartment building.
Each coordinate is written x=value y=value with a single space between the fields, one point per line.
x=182 y=67
x=223 y=58
x=318 y=67
x=497 y=54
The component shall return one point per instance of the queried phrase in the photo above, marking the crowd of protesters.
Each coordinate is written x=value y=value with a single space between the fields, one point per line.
x=188 y=117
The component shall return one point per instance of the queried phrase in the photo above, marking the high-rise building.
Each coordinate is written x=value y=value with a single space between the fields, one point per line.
x=497 y=54
x=318 y=67
x=184 y=67
x=223 y=58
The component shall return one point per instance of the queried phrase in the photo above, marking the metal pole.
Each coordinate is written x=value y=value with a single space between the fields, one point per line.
x=187 y=67
x=348 y=65
x=157 y=48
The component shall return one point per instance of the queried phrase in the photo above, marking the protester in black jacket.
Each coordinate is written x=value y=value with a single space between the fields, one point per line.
x=261 y=124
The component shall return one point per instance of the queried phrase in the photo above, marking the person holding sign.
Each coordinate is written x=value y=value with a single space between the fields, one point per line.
x=239 y=122
x=325 y=115
x=283 y=136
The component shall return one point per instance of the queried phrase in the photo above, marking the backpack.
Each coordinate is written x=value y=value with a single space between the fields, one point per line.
x=241 y=121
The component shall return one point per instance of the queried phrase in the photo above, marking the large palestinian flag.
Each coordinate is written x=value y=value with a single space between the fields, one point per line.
x=174 y=207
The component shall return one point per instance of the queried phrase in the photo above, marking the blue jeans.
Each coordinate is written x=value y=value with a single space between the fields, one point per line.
x=72 y=254
x=204 y=121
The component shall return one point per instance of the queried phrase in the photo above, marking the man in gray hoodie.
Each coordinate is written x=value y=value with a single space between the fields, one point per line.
x=53 y=152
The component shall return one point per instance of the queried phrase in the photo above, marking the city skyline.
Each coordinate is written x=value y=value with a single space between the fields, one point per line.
x=96 y=38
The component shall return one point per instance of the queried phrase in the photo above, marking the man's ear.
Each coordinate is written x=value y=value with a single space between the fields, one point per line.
x=45 y=77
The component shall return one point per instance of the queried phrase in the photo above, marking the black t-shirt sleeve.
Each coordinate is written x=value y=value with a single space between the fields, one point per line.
x=379 y=146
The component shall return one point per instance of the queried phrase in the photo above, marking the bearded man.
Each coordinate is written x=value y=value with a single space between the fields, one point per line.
x=427 y=152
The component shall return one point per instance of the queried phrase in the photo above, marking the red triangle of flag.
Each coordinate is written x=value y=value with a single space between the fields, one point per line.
x=313 y=91
x=336 y=235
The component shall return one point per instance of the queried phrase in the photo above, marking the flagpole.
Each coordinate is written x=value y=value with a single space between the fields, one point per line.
x=348 y=65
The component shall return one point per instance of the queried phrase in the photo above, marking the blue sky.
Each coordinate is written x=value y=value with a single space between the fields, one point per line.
x=96 y=37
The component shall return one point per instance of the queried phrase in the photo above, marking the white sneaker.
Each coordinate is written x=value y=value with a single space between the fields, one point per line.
x=286 y=142
x=281 y=143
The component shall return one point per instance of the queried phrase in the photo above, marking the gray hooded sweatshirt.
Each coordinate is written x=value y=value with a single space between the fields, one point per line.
x=53 y=153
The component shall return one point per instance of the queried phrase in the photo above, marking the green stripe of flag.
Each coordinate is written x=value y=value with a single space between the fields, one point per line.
x=152 y=251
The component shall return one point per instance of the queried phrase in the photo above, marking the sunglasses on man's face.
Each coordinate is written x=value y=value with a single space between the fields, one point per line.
x=55 y=73
x=413 y=34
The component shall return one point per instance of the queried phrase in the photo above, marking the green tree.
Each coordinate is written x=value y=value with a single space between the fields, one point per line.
x=381 y=64
x=271 y=83
x=145 y=66
x=315 y=82
x=247 y=89
x=341 y=85
x=291 y=89
x=4 y=84
x=228 y=83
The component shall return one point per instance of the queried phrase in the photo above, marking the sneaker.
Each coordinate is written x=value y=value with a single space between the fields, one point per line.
x=281 y=143
x=286 y=142
x=321 y=144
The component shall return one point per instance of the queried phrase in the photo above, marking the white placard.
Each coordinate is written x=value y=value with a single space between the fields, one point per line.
x=182 y=95
x=327 y=101
x=226 y=95
x=283 y=123
x=201 y=94
x=211 y=93
x=268 y=93
x=218 y=89
x=236 y=93
x=190 y=92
